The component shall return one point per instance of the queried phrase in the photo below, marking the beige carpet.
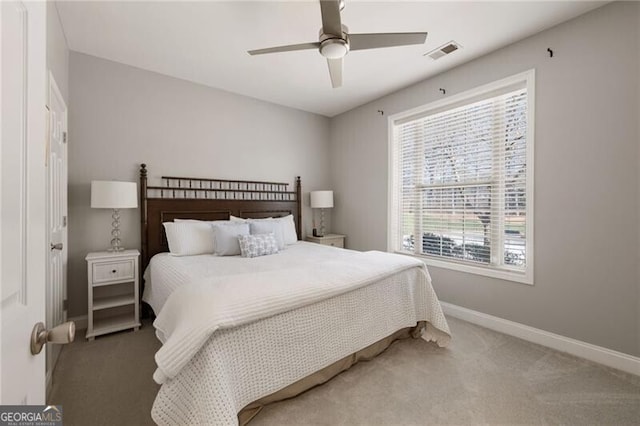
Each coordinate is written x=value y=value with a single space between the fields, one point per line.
x=484 y=377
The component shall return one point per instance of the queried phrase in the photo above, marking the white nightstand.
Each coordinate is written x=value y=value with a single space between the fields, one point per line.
x=114 y=303
x=335 y=240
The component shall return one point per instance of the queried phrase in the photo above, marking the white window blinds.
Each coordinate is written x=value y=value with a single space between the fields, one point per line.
x=459 y=192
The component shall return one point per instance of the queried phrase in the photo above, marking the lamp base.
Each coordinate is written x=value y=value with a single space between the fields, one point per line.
x=115 y=233
x=321 y=232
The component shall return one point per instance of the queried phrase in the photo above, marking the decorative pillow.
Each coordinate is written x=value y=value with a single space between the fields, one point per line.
x=257 y=245
x=189 y=238
x=289 y=233
x=270 y=226
x=225 y=237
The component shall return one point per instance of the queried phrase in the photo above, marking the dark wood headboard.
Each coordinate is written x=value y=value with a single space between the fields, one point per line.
x=209 y=199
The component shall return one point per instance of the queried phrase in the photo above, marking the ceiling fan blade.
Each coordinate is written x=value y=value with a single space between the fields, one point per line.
x=289 y=48
x=378 y=40
x=331 y=23
x=335 y=71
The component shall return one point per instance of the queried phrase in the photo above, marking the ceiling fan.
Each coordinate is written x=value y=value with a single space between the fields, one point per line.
x=335 y=41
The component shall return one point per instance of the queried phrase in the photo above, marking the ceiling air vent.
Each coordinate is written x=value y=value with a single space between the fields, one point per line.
x=443 y=50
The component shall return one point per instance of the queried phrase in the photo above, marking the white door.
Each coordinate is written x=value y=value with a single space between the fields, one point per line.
x=57 y=202
x=23 y=231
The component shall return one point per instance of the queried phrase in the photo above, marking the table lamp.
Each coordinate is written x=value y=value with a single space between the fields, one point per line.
x=321 y=200
x=114 y=195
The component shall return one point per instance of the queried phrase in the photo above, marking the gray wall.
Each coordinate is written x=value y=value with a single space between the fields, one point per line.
x=638 y=189
x=57 y=51
x=586 y=178
x=121 y=116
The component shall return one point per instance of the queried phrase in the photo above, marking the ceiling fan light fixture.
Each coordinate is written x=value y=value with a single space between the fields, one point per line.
x=335 y=41
x=334 y=48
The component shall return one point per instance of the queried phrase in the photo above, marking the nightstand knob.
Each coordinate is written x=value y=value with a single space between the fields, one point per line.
x=114 y=271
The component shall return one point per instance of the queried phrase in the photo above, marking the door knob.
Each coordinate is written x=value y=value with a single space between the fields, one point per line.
x=56 y=246
x=64 y=333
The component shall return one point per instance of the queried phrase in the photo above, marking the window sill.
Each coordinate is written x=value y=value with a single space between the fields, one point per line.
x=515 y=276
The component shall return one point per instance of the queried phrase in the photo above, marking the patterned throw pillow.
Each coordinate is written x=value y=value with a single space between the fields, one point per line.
x=257 y=245
x=268 y=226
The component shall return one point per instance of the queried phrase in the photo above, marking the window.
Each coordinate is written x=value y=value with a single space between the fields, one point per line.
x=461 y=181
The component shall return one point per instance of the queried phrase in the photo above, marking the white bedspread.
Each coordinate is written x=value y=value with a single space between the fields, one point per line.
x=195 y=311
x=166 y=273
x=323 y=306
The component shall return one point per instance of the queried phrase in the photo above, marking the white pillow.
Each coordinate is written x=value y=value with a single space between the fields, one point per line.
x=198 y=221
x=208 y=222
x=225 y=237
x=233 y=218
x=268 y=227
x=257 y=245
x=289 y=233
x=189 y=238
x=288 y=229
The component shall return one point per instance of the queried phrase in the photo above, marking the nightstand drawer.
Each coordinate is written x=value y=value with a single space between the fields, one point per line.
x=335 y=242
x=113 y=271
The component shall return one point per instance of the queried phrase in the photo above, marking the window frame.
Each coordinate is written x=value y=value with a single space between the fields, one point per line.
x=467 y=97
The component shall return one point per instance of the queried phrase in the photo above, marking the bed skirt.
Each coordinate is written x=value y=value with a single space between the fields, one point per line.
x=327 y=373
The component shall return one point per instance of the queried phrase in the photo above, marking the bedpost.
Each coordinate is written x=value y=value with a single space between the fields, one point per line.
x=145 y=310
x=143 y=222
x=299 y=199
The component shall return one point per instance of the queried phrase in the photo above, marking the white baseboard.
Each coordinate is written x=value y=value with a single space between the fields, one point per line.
x=608 y=357
x=81 y=322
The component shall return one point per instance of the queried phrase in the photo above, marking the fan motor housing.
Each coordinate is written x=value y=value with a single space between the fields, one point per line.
x=333 y=46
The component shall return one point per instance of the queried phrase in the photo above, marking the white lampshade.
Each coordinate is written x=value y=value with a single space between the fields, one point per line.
x=107 y=194
x=321 y=199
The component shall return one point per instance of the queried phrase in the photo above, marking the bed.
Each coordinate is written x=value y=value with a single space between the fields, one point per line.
x=239 y=333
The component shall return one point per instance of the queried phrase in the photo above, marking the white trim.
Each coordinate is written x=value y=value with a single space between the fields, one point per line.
x=501 y=273
x=531 y=212
x=391 y=184
x=54 y=316
x=610 y=358
x=459 y=97
x=493 y=271
x=81 y=323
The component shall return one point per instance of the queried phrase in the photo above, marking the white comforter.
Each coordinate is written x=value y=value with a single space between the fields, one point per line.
x=194 y=312
x=317 y=304
x=166 y=273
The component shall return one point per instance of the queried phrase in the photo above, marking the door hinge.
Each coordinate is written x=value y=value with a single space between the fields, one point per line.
x=64 y=221
x=64 y=137
x=65 y=304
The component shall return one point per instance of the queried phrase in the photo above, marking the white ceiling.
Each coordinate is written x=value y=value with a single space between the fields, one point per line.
x=206 y=42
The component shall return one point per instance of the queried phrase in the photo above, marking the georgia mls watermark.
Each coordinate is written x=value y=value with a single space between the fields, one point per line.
x=30 y=415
